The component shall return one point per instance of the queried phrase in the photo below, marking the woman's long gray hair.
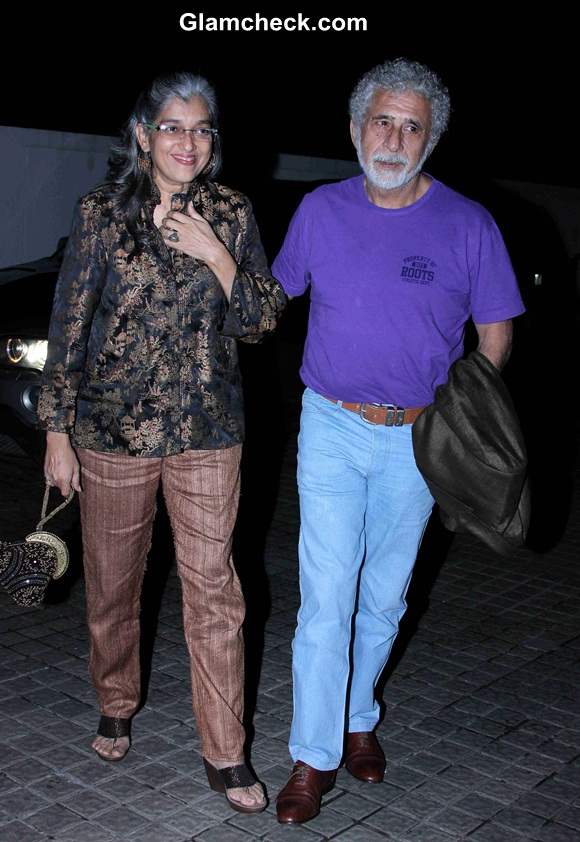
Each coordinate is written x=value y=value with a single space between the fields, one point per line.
x=128 y=184
x=403 y=75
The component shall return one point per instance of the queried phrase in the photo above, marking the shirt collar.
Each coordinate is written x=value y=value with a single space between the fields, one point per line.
x=190 y=195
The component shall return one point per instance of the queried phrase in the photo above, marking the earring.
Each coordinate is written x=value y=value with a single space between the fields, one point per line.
x=210 y=164
x=144 y=161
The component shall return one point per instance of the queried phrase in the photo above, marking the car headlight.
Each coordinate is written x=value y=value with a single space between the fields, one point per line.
x=27 y=353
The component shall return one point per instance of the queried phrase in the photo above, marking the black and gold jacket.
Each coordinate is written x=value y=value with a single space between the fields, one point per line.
x=142 y=355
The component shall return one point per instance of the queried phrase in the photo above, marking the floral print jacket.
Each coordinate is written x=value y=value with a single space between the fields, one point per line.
x=142 y=356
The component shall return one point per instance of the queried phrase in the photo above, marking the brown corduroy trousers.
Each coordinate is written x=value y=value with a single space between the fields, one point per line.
x=201 y=490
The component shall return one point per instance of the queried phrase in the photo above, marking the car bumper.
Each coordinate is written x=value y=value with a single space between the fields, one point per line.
x=19 y=391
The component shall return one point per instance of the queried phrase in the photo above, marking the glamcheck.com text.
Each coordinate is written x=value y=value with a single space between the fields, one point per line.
x=199 y=22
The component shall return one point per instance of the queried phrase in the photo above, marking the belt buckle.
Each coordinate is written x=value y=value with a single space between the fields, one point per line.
x=395 y=415
x=363 y=409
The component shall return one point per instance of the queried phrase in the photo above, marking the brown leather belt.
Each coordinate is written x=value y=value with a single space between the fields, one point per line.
x=386 y=415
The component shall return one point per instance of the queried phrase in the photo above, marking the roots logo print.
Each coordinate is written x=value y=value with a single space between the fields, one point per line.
x=418 y=270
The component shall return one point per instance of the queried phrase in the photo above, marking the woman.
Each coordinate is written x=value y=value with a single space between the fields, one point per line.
x=164 y=270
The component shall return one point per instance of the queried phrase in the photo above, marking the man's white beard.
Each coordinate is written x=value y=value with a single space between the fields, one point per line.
x=389 y=180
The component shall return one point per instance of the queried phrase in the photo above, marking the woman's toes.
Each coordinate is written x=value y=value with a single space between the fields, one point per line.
x=247 y=796
x=111 y=748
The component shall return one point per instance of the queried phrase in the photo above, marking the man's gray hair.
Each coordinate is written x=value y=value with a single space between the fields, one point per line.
x=402 y=75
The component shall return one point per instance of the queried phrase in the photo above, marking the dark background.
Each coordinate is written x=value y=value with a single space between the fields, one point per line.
x=513 y=80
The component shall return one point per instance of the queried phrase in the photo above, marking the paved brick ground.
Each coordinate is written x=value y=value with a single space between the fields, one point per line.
x=482 y=713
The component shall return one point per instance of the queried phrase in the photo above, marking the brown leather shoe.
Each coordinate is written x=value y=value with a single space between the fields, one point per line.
x=364 y=757
x=299 y=800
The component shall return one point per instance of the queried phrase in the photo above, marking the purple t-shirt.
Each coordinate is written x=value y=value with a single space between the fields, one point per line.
x=391 y=290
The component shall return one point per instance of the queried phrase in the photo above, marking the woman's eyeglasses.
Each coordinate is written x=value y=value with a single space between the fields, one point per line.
x=202 y=133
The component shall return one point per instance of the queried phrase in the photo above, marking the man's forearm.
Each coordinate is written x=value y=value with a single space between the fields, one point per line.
x=495 y=342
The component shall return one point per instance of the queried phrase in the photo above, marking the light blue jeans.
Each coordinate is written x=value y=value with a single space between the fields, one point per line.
x=363 y=509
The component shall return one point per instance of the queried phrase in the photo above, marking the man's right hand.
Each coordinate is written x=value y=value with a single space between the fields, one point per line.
x=61 y=466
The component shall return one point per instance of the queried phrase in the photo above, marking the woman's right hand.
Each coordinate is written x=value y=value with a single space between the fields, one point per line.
x=61 y=466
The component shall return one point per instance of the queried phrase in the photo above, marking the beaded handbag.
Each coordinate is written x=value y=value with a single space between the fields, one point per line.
x=27 y=567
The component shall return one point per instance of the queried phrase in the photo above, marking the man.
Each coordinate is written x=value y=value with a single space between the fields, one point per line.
x=396 y=262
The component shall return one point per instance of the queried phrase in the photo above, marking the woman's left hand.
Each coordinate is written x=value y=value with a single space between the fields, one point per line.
x=196 y=237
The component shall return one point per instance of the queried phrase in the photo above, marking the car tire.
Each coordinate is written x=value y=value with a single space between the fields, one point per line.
x=8 y=447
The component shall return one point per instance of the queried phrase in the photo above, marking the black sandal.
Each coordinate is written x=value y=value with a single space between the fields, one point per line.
x=112 y=727
x=232 y=777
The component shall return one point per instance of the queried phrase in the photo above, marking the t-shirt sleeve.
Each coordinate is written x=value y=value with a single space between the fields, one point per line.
x=290 y=268
x=495 y=295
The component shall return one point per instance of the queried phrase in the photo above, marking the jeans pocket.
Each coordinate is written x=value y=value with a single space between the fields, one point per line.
x=311 y=400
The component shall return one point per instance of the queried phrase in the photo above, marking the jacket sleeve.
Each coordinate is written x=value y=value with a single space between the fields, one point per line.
x=77 y=293
x=257 y=299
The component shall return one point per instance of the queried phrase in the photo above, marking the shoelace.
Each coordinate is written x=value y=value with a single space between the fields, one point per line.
x=299 y=772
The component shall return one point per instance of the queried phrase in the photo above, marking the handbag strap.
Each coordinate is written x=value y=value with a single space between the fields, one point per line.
x=43 y=516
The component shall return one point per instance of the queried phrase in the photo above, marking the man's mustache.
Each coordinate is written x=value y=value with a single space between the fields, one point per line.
x=390 y=159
